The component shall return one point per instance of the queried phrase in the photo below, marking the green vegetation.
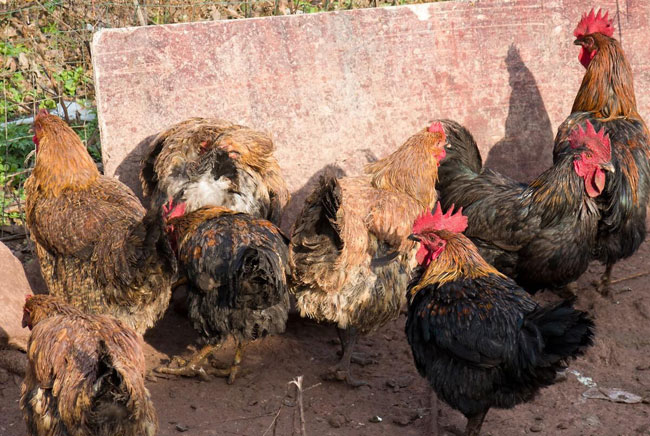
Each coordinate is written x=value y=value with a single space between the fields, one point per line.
x=71 y=80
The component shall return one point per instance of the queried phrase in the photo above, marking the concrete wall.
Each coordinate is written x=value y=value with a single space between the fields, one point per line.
x=339 y=89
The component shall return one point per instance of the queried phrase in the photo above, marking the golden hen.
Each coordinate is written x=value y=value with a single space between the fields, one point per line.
x=85 y=374
x=95 y=249
x=349 y=253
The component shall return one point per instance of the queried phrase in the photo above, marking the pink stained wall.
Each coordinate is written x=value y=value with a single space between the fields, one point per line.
x=336 y=90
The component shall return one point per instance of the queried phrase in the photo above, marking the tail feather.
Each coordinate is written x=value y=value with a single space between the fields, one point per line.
x=257 y=279
x=565 y=332
x=462 y=162
x=316 y=240
x=110 y=395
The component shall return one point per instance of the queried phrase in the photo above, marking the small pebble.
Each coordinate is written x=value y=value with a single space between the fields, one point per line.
x=182 y=428
x=375 y=419
x=563 y=426
x=536 y=428
x=336 y=421
x=593 y=421
x=402 y=420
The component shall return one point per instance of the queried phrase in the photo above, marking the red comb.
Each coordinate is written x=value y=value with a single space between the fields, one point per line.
x=594 y=23
x=454 y=222
x=436 y=127
x=41 y=113
x=601 y=147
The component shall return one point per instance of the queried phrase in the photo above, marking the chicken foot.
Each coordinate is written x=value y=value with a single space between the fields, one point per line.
x=341 y=371
x=474 y=424
x=232 y=371
x=191 y=367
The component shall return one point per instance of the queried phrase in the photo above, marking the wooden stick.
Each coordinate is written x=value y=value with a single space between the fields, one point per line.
x=633 y=276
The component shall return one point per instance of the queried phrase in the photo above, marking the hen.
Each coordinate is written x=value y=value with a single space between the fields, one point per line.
x=349 y=253
x=85 y=374
x=606 y=99
x=542 y=234
x=95 y=249
x=478 y=338
x=215 y=163
x=236 y=267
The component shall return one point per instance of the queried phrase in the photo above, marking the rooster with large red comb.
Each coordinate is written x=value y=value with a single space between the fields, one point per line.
x=541 y=234
x=606 y=99
x=478 y=338
x=349 y=253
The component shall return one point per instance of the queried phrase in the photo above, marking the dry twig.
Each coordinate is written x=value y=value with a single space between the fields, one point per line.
x=633 y=276
x=298 y=382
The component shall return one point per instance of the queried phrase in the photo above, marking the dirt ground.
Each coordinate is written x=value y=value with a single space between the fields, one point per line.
x=263 y=403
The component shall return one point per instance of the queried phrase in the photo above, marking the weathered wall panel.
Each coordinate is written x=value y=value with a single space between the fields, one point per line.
x=340 y=88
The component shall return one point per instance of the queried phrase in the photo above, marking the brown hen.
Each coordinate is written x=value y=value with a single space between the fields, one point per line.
x=95 y=249
x=85 y=375
x=215 y=163
x=349 y=253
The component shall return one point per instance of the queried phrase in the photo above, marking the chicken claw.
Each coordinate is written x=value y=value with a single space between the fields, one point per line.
x=192 y=367
x=341 y=371
x=232 y=371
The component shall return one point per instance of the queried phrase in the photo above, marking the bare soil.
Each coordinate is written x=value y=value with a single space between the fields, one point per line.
x=262 y=402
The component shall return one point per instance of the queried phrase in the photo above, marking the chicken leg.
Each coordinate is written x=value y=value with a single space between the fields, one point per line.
x=474 y=424
x=602 y=286
x=341 y=371
x=358 y=358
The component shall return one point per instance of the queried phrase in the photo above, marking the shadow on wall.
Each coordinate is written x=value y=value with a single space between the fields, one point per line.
x=293 y=207
x=129 y=169
x=526 y=149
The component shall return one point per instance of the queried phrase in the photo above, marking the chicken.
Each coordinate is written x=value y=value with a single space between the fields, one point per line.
x=349 y=253
x=85 y=374
x=479 y=339
x=542 y=234
x=215 y=163
x=96 y=250
x=236 y=267
x=606 y=99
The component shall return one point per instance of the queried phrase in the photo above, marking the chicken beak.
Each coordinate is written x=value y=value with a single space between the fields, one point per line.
x=578 y=41
x=608 y=166
x=413 y=238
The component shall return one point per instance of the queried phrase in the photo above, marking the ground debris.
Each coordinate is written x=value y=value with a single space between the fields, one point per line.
x=615 y=395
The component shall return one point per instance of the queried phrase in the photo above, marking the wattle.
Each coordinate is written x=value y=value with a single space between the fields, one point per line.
x=595 y=183
x=423 y=256
x=585 y=56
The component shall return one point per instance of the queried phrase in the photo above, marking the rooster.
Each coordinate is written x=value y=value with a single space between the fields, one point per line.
x=349 y=253
x=85 y=374
x=542 y=234
x=96 y=250
x=215 y=163
x=236 y=266
x=606 y=99
x=478 y=338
